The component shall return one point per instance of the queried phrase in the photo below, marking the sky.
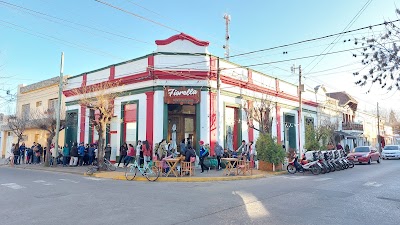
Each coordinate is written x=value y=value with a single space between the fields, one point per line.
x=93 y=35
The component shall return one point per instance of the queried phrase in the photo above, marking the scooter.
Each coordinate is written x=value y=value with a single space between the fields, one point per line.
x=293 y=167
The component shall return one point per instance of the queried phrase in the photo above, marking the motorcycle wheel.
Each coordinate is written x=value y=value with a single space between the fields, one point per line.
x=291 y=169
x=351 y=164
x=315 y=170
x=332 y=168
x=337 y=167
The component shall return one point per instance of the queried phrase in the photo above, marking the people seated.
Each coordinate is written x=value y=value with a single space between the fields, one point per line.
x=189 y=153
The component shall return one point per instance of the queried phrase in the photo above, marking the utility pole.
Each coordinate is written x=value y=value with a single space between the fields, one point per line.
x=226 y=46
x=299 y=91
x=60 y=88
x=218 y=102
x=379 y=129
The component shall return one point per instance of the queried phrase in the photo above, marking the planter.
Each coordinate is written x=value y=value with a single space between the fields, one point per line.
x=266 y=166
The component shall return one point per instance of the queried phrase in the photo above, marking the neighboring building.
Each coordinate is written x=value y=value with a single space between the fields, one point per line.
x=35 y=99
x=176 y=87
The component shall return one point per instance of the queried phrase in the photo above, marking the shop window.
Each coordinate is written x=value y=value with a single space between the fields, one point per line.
x=39 y=103
x=130 y=123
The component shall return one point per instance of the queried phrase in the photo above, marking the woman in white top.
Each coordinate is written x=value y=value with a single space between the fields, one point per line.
x=138 y=150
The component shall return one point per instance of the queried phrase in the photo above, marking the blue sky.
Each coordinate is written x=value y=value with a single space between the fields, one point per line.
x=31 y=43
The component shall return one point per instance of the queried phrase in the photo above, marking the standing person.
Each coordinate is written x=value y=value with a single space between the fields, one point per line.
x=129 y=155
x=74 y=155
x=138 y=151
x=81 y=154
x=146 y=148
x=15 y=151
x=182 y=147
x=29 y=157
x=242 y=149
x=91 y=154
x=22 y=153
x=40 y=148
x=203 y=155
x=36 y=157
x=107 y=152
x=65 y=155
x=122 y=152
x=251 y=153
x=161 y=149
x=219 y=152
x=52 y=155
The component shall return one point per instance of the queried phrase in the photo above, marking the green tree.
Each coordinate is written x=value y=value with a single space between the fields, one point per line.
x=268 y=149
x=312 y=138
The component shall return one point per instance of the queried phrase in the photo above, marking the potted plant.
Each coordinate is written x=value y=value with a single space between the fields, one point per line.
x=269 y=153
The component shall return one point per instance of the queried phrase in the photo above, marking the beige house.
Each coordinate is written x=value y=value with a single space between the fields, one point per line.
x=34 y=99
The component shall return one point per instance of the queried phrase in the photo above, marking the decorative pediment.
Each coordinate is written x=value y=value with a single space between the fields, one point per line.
x=182 y=36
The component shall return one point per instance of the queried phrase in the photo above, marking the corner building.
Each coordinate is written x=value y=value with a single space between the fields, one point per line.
x=173 y=91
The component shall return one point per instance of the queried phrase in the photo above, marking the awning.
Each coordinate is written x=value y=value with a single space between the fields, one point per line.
x=344 y=135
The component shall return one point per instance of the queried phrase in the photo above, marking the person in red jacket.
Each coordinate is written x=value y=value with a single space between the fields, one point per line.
x=146 y=148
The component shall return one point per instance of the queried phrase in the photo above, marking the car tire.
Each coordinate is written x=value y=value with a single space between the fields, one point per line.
x=379 y=160
x=369 y=161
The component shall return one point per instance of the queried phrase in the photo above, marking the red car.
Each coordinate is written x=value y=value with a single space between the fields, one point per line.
x=364 y=154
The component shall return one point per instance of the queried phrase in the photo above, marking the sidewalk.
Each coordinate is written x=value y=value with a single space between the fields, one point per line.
x=119 y=174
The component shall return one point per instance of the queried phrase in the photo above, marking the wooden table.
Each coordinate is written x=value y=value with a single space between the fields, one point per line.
x=172 y=163
x=230 y=166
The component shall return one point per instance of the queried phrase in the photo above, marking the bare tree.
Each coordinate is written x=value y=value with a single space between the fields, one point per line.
x=259 y=111
x=46 y=120
x=380 y=55
x=17 y=125
x=99 y=97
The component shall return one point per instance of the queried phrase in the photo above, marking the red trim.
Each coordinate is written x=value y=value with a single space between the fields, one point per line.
x=278 y=124
x=149 y=116
x=112 y=73
x=250 y=76
x=182 y=36
x=150 y=63
x=235 y=128
x=213 y=121
x=250 y=130
x=82 y=124
x=84 y=80
x=113 y=132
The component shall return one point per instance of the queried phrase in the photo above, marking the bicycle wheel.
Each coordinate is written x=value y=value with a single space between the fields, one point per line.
x=90 y=171
x=110 y=166
x=151 y=173
x=7 y=161
x=130 y=172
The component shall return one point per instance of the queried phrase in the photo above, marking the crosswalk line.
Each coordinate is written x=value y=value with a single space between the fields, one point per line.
x=93 y=178
x=43 y=182
x=323 y=179
x=13 y=186
x=68 y=180
x=293 y=177
x=372 y=184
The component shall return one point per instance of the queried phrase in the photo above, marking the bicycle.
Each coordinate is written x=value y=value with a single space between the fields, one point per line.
x=107 y=165
x=149 y=171
x=8 y=159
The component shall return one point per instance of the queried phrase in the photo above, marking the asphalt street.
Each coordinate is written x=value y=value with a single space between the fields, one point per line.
x=366 y=194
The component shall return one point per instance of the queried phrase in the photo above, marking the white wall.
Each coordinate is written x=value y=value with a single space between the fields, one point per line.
x=75 y=82
x=181 y=62
x=205 y=117
x=158 y=117
x=263 y=80
x=98 y=76
x=130 y=68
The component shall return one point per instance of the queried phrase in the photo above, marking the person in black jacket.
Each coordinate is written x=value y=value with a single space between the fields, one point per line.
x=189 y=153
x=122 y=152
x=74 y=155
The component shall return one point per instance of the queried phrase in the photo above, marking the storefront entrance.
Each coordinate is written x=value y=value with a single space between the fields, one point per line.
x=182 y=124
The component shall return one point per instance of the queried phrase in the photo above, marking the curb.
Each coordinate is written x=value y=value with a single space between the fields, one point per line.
x=111 y=175
x=48 y=170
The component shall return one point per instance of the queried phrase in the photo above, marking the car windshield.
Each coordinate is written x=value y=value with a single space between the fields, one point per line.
x=391 y=147
x=361 y=149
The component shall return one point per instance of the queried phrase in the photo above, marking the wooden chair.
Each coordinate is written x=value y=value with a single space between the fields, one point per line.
x=188 y=167
x=244 y=167
x=158 y=164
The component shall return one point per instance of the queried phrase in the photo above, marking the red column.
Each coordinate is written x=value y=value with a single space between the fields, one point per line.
x=213 y=121
x=82 y=124
x=278 y=124
x=149 y=116
x=112 y=73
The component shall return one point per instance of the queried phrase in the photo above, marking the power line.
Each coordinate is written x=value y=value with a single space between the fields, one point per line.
x=347 y=27
x=72 y=22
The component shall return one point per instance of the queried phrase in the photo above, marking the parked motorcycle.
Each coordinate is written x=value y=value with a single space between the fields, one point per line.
x=302 y=167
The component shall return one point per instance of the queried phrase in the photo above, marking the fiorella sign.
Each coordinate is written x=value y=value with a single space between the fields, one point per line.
x=182 y=96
